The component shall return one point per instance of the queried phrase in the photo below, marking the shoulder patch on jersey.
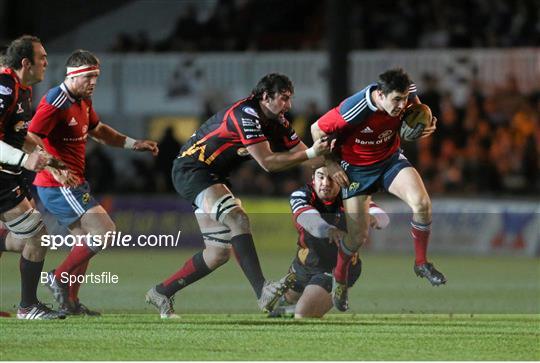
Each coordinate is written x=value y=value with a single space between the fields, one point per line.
x=251 y=111
x=4 y=90
x=56 y=97
x=294 y=136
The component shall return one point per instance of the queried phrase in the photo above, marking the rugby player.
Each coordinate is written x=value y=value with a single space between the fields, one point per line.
x=319 y=219
x=64 y=119
x=254 y=127
x=367 y=127
x=25 y=64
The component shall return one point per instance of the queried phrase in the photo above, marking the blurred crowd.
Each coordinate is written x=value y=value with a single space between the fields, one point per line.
x=300 y=25
x=487 y=143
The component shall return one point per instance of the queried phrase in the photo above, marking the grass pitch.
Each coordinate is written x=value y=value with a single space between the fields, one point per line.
x=252 y=337
x=488 y=311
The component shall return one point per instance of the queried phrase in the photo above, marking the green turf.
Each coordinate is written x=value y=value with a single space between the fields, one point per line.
x=252 y=337
x=488 y=311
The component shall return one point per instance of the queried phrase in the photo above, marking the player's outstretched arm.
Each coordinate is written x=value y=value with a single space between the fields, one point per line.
x=105 y=134
x=271 y=161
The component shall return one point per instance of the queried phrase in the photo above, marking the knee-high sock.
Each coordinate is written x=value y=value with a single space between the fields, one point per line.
x=341 y=272
x=74 y=287
x=79 y=255
x=246 y=255
x=30 y=274
x=194 y=269
x=420 y=234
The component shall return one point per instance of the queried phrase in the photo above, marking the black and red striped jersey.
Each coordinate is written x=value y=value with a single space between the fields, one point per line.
x=318 y=251
x=222 y=140
x=15 y=113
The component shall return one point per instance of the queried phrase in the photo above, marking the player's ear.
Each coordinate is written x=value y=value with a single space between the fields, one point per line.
x=26 y=62
x=265 y=96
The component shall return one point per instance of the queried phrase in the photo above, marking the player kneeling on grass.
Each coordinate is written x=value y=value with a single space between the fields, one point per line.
x=318 y=214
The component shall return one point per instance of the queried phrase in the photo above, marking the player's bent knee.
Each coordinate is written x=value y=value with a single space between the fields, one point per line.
x=239 y=221
x=34 y=252
x=27 y=226
x=422 y=205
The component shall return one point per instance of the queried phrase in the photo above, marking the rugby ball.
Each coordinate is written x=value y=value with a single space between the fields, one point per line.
x=415 y=118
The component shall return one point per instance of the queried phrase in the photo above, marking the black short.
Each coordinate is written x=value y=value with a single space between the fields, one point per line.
x=309 y=275
x=13 y=190
x=190 y=177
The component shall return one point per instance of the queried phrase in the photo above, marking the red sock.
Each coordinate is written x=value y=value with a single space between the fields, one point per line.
x=420 y=234
x=193 y=270
x=186 y=270
x=341 y=272
x=74 y=288
x=77 y=257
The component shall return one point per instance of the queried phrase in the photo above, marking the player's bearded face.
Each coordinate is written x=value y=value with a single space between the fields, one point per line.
x=325 y=187
x=278 y=105
x=85 y=84
x=394 y=103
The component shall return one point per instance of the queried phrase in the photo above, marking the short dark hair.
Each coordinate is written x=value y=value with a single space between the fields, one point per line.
x=20 y=48
x=394 y=80
x=272 y=83
x=82 y=57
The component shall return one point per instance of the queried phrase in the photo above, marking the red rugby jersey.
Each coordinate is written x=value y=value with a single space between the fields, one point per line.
x=366 y=135
x=63 y=122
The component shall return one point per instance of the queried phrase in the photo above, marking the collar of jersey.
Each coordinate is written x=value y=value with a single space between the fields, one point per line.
x=12 y=73
x=64 y=89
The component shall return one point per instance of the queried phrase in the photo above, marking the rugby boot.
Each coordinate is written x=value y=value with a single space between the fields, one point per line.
x=428 y=271
x=39 y=311
x=273 y=291
x=76 y=308
x=340 y=296
x=163 y=304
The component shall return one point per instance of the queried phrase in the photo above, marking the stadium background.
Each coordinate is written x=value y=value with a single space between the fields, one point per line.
x=168 y=65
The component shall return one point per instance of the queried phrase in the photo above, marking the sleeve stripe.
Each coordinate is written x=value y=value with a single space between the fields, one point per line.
x=353 y=112
x=302 y=210
x=59 y=101
x=412 y=88
x=298 y=206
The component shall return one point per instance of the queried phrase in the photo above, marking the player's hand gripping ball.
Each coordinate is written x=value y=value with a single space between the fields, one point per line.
x=413 y=121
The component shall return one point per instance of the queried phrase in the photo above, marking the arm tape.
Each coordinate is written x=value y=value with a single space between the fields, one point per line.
x=10 y=155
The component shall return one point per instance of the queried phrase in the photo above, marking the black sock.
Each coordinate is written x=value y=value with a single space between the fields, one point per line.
x=194 y=269
x=30 y=274
x=3 y=236
x=248 y=260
